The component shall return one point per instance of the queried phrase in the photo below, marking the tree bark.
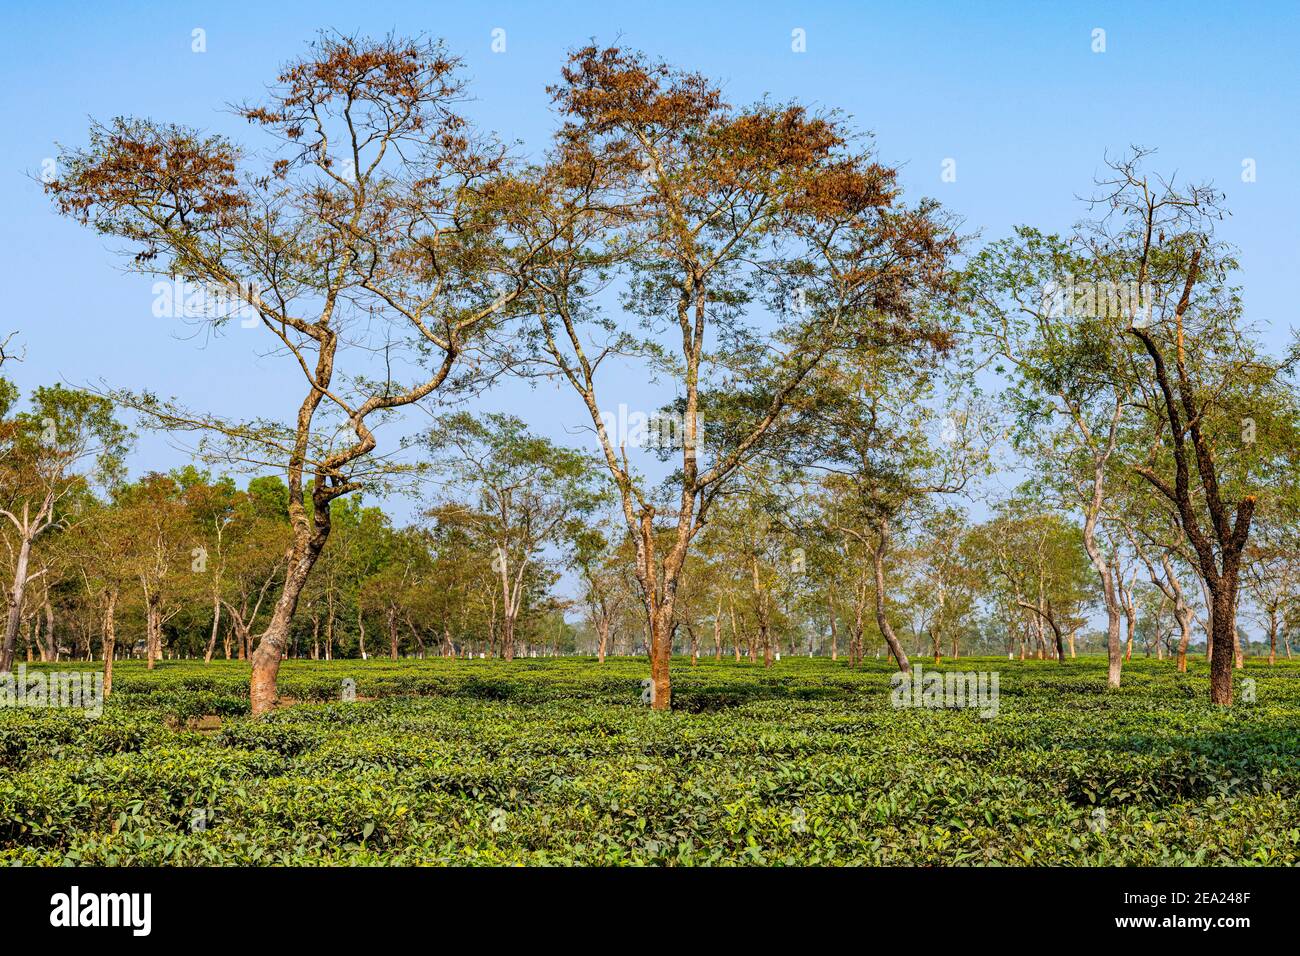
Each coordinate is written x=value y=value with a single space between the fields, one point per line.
x=14 y=618
x=1223 y=623
x=835 y=634
x=109 y=638
x=882 y=616
x=152 y=627
x=717 y=631
x=271 y=645
x=212 y=638
x=51 y=649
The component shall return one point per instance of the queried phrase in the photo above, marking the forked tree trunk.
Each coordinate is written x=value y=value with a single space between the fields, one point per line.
x=1105 y=569
x=1219 y=560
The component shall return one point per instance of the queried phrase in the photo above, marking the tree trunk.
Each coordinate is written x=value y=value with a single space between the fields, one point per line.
x=735 y=630
x=14 y=619
x=329 y=629
x=835 y=634
x=717 y=631
x=274 y=640
x=1130 y=622
x=661 y=653
x=212 y=639
x=1223 y=627
x=52 y=645
x=507 y=637
x=882 y=616
x=152 y=627
x=1106 y=575
x=109 y=639
x=761 y=612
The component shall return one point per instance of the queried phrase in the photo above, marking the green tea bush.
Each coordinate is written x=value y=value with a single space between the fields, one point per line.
x=558 y=762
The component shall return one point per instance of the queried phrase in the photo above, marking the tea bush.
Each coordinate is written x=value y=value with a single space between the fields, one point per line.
x=557 y=762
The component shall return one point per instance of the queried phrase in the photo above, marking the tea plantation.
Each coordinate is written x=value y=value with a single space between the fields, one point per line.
x=558 y=762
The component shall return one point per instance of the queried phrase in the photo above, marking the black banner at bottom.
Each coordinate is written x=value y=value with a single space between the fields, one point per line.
x=340 y=906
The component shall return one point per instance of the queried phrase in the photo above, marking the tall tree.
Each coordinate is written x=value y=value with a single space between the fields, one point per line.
x=757 y=243
x=376 y=231
x=531 y=494
x=1219 y=410
x=1053 y=318
x=45 y=449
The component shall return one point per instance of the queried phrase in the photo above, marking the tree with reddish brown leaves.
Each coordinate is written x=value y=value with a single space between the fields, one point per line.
x=755 y=245
x=373 y=228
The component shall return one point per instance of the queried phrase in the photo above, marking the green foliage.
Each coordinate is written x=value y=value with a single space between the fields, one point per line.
x=556 y=762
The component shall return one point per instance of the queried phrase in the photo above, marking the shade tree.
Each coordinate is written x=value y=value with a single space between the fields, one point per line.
x=373 y=228
x=751 y=246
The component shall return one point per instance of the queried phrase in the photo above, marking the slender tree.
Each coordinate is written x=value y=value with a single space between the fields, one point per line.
x=45 y=449
x=1210 y=396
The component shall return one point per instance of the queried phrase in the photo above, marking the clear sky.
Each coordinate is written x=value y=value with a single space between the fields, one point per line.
x=1013 y=92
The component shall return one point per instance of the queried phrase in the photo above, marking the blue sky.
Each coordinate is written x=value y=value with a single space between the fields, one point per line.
x=1013 y=92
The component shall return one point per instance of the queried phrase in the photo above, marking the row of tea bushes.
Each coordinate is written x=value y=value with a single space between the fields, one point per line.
x=557 y=762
